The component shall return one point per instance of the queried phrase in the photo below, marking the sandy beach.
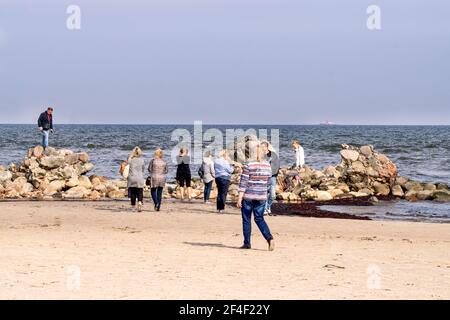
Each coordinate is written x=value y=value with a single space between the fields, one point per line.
x=92 y=250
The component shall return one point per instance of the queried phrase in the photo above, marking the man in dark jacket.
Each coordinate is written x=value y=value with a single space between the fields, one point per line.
x=45 y=125
x=274 y=160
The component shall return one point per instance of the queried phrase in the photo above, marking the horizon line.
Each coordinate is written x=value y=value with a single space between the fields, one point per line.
x=234 y=124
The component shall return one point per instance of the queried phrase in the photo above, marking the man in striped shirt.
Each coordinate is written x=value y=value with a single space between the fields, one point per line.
x=253 y=197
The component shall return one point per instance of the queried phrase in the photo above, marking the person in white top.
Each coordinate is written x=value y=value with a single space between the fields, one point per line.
x=299 y=154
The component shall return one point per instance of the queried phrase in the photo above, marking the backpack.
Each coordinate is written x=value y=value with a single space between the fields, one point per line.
x=201 y=172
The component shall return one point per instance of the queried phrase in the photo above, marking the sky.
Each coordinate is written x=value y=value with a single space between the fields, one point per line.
x=226 y=62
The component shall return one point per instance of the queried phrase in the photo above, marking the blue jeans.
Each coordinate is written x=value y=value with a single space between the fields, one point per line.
x=157 y=196
x=207 y=192
x=271 y=192
x=257 y=207
x=45 y=134
x=222 y=191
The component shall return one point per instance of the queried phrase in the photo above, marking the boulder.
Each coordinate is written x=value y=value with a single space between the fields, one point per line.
x=72 y=182
x=358 y=194
x=335 y=192
x=83 y=157
x=76 y=193
x=424 y=195
x=381 y=188
x=117 y=194
x=37 y=151
x=94 y=195
x=429 y=187
x=441 y=195
x=413 y=186
x=358 y=167
x=397 y=191
x=367 y=191
x=401 y=181
x=54 y=187
x=52 y=162
x=411 y=195
x=84 y=182
x=323 y=196
x=442 y=186
x=344 y=187
x=5 y=176
x=350 y=155
x=367 y=150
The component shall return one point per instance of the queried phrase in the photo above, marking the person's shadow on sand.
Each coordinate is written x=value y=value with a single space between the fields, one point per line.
x=214 y=245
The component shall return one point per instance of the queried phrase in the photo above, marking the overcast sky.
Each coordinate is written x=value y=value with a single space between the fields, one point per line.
x=226 y=61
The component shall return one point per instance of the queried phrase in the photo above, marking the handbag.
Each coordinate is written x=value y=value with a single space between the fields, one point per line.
x=125 y=169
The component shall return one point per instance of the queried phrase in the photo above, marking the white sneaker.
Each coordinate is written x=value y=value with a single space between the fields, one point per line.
x=139 y=207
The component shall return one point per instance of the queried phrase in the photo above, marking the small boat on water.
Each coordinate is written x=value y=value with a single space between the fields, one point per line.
x=327 y=123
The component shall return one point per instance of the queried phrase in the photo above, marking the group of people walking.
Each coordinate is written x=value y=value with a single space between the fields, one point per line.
x=257 y=186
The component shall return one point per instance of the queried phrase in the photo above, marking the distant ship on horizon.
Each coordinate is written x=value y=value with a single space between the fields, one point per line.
x=327 y=123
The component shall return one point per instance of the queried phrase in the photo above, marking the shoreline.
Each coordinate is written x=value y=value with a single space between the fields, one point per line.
x=190 y=252
x=310 y=209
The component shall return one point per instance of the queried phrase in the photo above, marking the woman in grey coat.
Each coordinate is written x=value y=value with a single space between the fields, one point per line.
x=136 y=181
x=158 y=171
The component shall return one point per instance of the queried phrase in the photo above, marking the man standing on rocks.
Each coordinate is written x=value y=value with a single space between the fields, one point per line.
x=45 y=125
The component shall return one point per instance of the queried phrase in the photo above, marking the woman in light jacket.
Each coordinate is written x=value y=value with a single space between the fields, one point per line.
x=136 y=181
x=158 y=171
x=208 y=174
x=223 y=171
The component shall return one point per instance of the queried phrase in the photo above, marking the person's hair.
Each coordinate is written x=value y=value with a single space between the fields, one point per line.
x=295 y=142
x=158 y=153
x=253 y=151
x=136 y=153
x=183 y=150
x=268 y=145
x=49 y=109
x=223 y=153
x=208 y=153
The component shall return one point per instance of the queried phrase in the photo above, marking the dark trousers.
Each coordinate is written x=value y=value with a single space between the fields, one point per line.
x=157 y=196
x=257 y=207
x=222 y=191
x=136 y=193
x=207 y=192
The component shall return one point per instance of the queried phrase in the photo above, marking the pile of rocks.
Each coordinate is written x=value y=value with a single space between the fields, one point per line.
x=362 y=172
x=55 y=173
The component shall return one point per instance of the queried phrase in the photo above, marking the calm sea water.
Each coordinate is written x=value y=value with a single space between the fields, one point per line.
x=420 y=152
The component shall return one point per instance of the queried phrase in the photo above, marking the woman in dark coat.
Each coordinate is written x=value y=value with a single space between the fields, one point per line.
x=184 y=173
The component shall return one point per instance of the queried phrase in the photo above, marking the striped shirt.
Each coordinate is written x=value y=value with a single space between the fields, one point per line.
x=254 y=180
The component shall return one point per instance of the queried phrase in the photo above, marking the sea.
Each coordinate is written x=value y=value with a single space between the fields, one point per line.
x=420 y=152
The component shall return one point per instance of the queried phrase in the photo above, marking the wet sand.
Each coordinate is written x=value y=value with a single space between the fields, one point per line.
x=93 y=250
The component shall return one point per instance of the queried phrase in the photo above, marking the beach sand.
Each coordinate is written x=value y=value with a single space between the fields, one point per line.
x=92 y=250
